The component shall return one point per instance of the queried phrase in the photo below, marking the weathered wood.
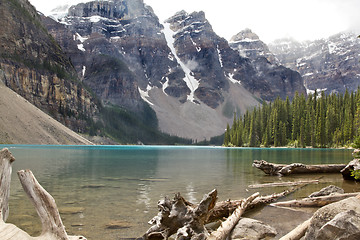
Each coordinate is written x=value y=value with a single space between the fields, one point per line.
x=283 y=184
x=6 y=160
x=227 y=226
x=53 y=228
x=44 y=203
x=298 y=232
x=295 y=168
x=225 y=208
x=315 y=201
x=180 y=217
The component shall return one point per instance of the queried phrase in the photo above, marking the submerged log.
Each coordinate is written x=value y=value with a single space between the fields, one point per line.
x=282 y=169
x=52 y=226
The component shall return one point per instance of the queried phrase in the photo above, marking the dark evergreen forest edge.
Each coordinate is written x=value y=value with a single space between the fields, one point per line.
x=316 y=120
x=127 y=127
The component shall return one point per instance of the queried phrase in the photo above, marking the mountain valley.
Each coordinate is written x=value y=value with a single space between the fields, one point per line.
x=111 y=67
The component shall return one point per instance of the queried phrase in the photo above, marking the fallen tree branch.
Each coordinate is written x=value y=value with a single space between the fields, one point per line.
x=226 y=227
x=298 y=232
x=282 y=169
x=315 y=201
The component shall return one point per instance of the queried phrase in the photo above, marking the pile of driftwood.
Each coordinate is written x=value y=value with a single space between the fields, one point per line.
x=44 y=203
x=184 y=220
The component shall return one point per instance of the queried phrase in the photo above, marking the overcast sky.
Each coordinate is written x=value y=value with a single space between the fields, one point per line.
x=270 y=19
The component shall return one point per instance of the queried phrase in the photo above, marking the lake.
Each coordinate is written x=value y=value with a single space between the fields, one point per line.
x=96 y=185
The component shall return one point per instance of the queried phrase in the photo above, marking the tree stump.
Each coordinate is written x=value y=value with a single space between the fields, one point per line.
x=181 y=217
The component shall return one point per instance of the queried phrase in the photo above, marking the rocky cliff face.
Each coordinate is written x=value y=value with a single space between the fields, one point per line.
x=35 y=67
x=273 y=78
x=124 y=50
x=331 y=65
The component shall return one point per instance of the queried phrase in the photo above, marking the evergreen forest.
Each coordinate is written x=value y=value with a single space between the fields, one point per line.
x=315 y=120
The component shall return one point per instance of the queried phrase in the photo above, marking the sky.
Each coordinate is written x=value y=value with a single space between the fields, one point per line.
x=269 y=19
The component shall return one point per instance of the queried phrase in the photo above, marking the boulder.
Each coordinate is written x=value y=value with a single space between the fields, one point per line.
x=353 y=165
x=331 y=189
x=252 y=229
x=329 y=222
x=344 y=226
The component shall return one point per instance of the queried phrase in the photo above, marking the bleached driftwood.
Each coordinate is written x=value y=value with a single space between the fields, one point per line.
x=180 y=217
x=6 y=160
x=298 y=232
x=52 y=226
x=227 y=226
x=283 y=184
x=315 y=201
x=282 y=169
x=225 y=208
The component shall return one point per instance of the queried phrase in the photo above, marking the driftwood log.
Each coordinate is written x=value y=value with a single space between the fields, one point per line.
x=283 y=184
x=226 y=227
x=6 y=160
x=298 y=232
x=315 y=201
x=282 y=169
x=52 y=226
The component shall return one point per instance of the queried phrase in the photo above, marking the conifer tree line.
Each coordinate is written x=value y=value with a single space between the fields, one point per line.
x=315 y=120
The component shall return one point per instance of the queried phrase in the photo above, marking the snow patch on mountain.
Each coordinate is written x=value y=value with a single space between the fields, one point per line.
x=145 y=94
x=191 y=82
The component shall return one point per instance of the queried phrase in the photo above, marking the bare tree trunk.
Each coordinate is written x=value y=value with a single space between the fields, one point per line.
x=226 y=227
x=282 y=169
x=6 y=160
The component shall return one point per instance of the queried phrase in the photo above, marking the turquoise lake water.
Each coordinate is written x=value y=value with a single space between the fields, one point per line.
x=96 y=185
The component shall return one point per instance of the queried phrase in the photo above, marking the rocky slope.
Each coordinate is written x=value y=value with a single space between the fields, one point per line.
x=330 y=64
x=34 y=66
x=23 y=123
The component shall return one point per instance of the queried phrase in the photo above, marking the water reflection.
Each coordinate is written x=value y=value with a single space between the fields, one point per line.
x=96 y=185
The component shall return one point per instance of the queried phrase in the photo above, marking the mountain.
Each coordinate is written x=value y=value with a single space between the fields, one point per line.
x=273 y=78
x=331 y=64
x=35 y=67
x=110 y=68
x=182 y=69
